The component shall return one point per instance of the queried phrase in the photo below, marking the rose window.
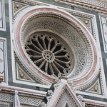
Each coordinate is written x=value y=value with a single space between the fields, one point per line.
x=48 y=53
x=50 y=43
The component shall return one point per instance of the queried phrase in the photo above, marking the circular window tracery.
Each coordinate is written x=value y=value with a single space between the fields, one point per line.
x=79 y=44
x=49 y=53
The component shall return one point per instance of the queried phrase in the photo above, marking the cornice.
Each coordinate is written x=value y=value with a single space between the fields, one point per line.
x=98 y=5
x=93 y=103
x=11 y=89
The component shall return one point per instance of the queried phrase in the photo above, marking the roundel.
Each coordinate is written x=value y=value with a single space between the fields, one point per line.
x=51 y=43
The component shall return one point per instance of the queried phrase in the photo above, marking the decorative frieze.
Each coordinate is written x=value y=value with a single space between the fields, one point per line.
x=10 y=94
x=24 y=100
x=4 y=104
x=98 y=5
x=90 y=105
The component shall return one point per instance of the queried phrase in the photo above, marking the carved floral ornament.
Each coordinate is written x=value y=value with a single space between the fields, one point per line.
x=50 y=43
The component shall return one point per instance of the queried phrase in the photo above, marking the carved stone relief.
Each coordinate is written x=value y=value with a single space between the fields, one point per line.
x=17 y=6
x=86 y=22
x=95 y=88
x=22 y=75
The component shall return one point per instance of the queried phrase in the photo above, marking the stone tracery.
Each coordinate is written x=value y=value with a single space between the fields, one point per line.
x=48 y=53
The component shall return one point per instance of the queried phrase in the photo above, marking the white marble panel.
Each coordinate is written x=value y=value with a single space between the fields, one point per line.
x=103 y=22
x=3 y=58
x=0 y=14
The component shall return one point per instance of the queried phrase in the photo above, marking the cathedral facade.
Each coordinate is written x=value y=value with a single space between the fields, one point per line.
x=53 y=53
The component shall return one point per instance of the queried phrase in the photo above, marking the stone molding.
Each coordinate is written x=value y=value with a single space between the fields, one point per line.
x=97 y=5
x=93 y=103
x=26 y=96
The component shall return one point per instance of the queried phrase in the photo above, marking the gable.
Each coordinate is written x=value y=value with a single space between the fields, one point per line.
x=66 y=100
